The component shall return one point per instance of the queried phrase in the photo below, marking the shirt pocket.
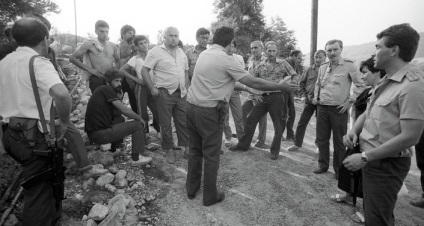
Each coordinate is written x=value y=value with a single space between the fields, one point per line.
x=337 y=79
x=379 y=110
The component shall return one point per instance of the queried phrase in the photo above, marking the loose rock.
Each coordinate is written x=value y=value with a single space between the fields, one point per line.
x=113 y=169
x=110 y=188
x=105 y=179
x=98 y=212
x=88 y=184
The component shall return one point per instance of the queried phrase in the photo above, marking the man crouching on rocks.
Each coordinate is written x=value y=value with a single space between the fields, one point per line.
x=100 y=120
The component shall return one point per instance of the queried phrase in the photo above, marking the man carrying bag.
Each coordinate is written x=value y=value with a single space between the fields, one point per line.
x=25 y=113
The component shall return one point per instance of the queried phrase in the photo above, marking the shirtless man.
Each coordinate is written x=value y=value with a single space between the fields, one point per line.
x=101 y=55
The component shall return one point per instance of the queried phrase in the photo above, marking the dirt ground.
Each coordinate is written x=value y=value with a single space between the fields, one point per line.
x=259 y=191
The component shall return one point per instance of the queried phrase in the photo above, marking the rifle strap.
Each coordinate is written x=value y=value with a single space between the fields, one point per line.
x=51 y=139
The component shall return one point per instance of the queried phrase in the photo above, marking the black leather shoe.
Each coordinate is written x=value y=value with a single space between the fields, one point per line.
x=191 y=196
x=236 y=148
x=274 y=156
x=320 y=170
x=219 y=199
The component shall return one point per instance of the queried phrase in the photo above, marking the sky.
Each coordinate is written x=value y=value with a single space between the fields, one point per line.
x=352 y=21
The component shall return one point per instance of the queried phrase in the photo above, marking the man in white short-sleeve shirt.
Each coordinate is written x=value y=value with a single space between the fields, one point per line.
x=17 y=100
x=170 y=69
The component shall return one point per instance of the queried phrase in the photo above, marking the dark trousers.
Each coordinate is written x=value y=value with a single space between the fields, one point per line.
x=291 y=112
x=172 y=106
x=95 y=82
x=39 y=208
x=205 y=143
x=329 y=119
x=307 y=113
x=144 y=100
x=117 y=132
x=246 y=109
x=131 y=95
x=382 y=180
x=273 y=104
x=419 y=154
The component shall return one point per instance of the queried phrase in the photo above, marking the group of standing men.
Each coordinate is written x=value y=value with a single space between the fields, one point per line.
x=194 y=89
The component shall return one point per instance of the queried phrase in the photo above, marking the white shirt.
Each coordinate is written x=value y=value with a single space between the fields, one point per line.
x=137 y=63
x=16 y=94
x=169 y=72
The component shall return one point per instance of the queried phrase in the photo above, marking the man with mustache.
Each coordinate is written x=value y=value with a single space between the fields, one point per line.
x=332 y=95
x=100 y=117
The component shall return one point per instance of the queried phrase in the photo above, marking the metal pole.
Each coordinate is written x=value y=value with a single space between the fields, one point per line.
x=314 y=30
x=76 y=36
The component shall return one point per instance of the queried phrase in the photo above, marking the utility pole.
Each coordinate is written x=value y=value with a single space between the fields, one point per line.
x=314 y=29
x=76 y=35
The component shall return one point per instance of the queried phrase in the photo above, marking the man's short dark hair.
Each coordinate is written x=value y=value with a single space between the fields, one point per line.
x=202 y=31
x=29 y=32
x=42 y=19
x=101 y=23
x=125 y=29
x=404 y=36
x=321 y=51
x=112 y=74
x=294 y=52
x=369 y=63
x=139 y=38
x=334 y=41
x=8 y=32
x=223 y=36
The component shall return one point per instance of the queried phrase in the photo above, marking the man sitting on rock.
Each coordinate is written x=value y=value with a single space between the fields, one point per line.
x=100 y=119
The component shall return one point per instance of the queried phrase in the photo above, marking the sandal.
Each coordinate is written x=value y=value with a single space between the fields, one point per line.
x=358 y=217
x=339 y=198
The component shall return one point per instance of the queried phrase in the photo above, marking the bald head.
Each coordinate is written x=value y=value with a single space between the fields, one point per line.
x=29 y=32
x=172 y=37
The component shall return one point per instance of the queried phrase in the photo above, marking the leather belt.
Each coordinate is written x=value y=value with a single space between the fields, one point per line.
x=270 y=93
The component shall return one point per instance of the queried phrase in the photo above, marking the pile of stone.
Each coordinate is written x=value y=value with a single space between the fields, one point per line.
x=127 y=207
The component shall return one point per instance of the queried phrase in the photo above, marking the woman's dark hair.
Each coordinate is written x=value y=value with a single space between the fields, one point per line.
x=369 y=63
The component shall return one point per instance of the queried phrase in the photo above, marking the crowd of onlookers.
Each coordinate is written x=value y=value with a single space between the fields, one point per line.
x=193 y=92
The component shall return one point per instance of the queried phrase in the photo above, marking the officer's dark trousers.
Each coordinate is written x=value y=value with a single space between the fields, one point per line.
x=419 y=154
x=39 y=208
x=308 y=112
x=205 y=134
x=382 y=181
x=329 y=119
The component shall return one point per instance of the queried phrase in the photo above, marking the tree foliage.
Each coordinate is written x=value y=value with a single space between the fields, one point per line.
x=11 y=9
x=278 y=32
x=243 y=15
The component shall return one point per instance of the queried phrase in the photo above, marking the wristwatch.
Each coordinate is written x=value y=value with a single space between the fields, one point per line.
x=364 y=158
